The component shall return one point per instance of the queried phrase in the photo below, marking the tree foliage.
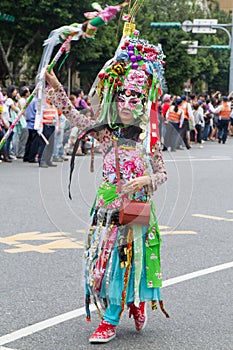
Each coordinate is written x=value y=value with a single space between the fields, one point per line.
x=21 y=41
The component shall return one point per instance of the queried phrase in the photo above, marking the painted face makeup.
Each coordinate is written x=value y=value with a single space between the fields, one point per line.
x=130 y=101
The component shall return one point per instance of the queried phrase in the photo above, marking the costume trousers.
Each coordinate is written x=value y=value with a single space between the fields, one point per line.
x=112 y=314
x=107 y=281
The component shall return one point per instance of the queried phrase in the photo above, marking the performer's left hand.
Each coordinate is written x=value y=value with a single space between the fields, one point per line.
x=136 y=184
x=52 y=79
x=125 y=3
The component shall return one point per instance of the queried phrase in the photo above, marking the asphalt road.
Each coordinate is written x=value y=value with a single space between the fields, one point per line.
x=42 y=235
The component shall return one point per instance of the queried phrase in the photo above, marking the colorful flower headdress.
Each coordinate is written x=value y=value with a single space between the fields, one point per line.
x=139 y=66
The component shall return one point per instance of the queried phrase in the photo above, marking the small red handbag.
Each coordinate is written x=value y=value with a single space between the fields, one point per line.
x=131 y=212
x=134 y=213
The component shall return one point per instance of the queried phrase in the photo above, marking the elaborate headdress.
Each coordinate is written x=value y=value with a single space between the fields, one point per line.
x=138 y=66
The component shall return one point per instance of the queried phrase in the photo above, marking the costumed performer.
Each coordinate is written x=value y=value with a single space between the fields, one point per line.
x=123 y=261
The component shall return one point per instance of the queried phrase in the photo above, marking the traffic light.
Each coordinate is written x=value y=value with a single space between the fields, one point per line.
x=219 y=47
x=166 y=25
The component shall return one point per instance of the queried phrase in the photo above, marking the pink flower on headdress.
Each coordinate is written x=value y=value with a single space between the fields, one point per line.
x=150 y=56
x=135 y=80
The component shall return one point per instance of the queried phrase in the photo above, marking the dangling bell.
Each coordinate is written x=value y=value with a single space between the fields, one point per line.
x=142 y=136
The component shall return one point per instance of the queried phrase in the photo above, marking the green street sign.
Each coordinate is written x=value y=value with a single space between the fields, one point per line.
x=219 y=47
x=5 y=17
x=166 y=25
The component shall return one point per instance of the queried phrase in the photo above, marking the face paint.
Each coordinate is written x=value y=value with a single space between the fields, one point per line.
x=129 y=101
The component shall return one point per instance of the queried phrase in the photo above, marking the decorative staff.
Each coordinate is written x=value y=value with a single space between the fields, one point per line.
x=30 y=98
x=66 y=34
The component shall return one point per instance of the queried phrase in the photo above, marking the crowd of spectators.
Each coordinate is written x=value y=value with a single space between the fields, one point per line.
x=186 y=120
x=183 y=121
x=57 y=138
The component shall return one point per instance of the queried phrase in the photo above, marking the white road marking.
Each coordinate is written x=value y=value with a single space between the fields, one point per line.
x=8 y=338
x=218 y=218
x=197 y=159
x=3 y=348
x=220 y=157
x=195 y=274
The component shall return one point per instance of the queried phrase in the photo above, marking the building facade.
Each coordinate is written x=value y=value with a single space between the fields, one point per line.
x=226 y=5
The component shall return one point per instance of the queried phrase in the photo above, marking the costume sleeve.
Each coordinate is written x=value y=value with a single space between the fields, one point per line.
x=61 y=101
x=159 y=175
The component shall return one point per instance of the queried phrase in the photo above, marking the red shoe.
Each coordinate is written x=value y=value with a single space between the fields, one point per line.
x=103 y=333
x=139 y=314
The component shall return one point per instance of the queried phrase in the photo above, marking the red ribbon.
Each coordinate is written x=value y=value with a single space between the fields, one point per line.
x=154 y=126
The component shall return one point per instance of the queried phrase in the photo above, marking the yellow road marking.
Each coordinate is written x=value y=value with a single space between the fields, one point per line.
x=218 y=218
x=230 y=211
x=23 y=242
x=33 y=236
x=46 y=248
x=59 y=240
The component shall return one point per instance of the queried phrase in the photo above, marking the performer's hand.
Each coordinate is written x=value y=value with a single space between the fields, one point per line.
x=135 y=184
x=124 y=4
x=52 y=79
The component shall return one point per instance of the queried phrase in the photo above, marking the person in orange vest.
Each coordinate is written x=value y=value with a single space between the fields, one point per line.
x=174 y=119
x=188 y=115
x=50 y=121
x=224 y=113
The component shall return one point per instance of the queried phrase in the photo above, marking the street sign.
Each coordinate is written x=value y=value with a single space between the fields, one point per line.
x=166 y=25
x=204 y=26
x=187 y=26
x=192 y=47
x=6 y=17
x=220 y=47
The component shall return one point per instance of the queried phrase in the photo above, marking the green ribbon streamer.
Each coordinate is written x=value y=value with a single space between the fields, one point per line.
x=107 y=192
x=63 y=61
x=153 y=268
x=137 y=239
